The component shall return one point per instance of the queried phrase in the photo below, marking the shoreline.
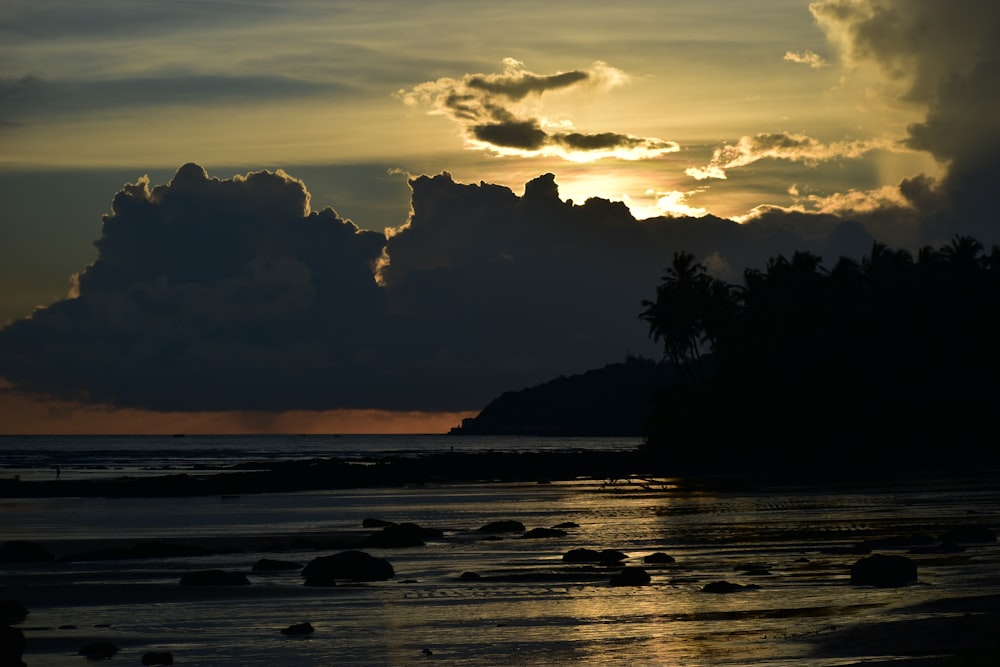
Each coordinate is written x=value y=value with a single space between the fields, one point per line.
x=629 y=470
x=337 y=473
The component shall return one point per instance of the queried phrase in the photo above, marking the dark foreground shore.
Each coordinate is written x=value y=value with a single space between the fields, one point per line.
x=787 y=542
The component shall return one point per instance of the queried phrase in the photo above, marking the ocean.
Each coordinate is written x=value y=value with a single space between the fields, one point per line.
x=788 y=546
x=96 y=456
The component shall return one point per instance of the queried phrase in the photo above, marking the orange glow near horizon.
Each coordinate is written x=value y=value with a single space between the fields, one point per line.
x=24 y=415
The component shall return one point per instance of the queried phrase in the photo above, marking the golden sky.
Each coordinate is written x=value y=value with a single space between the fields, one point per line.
x=724 y=108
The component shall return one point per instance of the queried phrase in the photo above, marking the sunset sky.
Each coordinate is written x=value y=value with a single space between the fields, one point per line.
x=226 y=298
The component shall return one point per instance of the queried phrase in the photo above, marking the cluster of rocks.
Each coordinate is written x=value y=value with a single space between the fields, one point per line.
x=353 y=565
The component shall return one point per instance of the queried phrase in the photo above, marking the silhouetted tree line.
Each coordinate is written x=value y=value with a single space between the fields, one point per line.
x=889 y=362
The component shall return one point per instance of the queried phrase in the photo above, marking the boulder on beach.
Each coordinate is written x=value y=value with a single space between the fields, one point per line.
x=12 y=612
x=631 y=576
x=658 y=558
x=158 y=658
x=724 y=587
x=23 y=551
x=352 y=565
x=271 y=565
x=376 y=523
x=214 y=578
x=402 y=535
x=567 y=524
x=506 y=526
x=299 y=630
x=606 y=556
x=12 y=645
x=98 y=651
x=884 y=571
x=470 y=576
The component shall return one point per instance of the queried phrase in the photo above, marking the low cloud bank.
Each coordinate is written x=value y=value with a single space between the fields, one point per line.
x=232 y=294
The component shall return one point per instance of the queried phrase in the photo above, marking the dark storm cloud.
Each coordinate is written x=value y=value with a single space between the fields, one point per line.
x=486 y=107
x=525 y=135
x=947 y=56
x=608 y=141
x=213 y=294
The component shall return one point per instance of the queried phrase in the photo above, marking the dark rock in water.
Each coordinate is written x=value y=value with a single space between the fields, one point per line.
x=723 y=587
x=508 y=526
x=567 y=524
x=353 y=565
x=12 y=645
x=270 y=565
x=158 y=658
x=99 y=651
x=606 y=557
x=12 y=612
x=631 y=576
x=214 y=578
x=967 y=534
x=659 y=558
x=884 y=571
x=470 y=576
x=299 y=630
x=23 y=551
x=402 y=535
x=377 y=523
x=536 y=533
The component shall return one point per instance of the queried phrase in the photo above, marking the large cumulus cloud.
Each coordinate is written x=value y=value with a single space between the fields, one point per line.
x=220 y=294
x=946 y=58
x=208 y=293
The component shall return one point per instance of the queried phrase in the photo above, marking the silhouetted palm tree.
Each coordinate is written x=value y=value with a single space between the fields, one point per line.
x=689 y=313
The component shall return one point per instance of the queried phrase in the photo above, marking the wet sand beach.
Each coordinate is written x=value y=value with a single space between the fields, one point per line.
x=788 y=548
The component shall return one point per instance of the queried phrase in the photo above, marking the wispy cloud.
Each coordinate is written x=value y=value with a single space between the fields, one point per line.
x=806 y=57
x=780 y=146
x=492 y=111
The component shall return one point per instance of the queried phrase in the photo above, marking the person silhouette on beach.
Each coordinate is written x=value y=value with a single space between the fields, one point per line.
x=58 y=472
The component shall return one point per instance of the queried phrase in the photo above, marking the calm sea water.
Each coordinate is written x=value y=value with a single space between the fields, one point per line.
x=36 y=457
x=529 y=607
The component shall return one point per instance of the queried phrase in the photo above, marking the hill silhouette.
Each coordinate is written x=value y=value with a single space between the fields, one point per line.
x=615 y=400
